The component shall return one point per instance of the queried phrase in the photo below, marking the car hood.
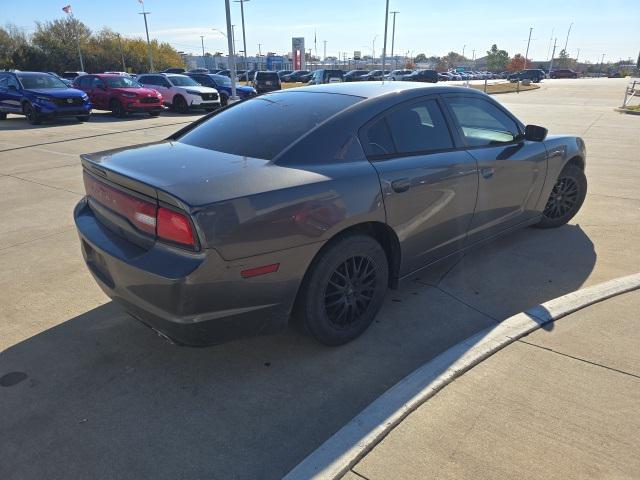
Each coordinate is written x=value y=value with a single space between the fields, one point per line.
x=200 y=89
x=194 y=176
x=57 y=92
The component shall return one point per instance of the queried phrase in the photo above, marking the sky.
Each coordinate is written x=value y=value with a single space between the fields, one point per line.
x=607 y=27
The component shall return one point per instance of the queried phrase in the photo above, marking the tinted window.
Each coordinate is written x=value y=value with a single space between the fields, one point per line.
x=483 y=123
x=97 y=82
x=182 y=81
x=378 y=139
x=263 y=76
x=275 y=121
x=419 y=127
x=122 y=82
x=3 y=81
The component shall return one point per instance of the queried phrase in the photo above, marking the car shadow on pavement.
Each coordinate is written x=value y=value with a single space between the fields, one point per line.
x=102 y=396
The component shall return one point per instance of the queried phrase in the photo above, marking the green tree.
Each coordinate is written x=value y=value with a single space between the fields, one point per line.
x=497 y=60
x=421 y=58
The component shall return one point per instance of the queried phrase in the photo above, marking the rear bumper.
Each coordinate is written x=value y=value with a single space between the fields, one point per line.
x=193 y=298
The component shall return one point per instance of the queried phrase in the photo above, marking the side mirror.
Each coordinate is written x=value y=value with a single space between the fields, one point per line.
x=534 y=133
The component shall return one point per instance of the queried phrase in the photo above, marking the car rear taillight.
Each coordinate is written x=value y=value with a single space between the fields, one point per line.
x=144 y=215
x=175 y=227
x=140 y=213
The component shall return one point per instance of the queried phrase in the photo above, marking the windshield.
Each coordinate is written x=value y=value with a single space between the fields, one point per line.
x=221 y=80
x=122 y=82
x=183 y=81
x=41 y=81
x=274 y=121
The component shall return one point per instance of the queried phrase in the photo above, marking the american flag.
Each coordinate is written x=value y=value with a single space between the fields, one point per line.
x=141 y=1
x=67 y=9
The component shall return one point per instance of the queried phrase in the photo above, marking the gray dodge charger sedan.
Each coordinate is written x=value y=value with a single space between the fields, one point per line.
x=309 y=203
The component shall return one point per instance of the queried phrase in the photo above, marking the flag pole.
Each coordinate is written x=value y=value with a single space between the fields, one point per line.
x=69 y=12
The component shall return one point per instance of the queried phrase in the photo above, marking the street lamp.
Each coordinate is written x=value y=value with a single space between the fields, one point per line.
x=144 y=13
x=393 y=40
x=384 y=44
x=244 y=38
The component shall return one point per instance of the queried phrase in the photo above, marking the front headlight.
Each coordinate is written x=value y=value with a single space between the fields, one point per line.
x=43 y=99
x=128 y=95
x=85 y=97
x=193 y=92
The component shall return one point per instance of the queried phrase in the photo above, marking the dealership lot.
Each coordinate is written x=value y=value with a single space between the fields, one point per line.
x=104 y=397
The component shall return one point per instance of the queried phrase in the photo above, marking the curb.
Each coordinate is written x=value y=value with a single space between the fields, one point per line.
x=358 y=437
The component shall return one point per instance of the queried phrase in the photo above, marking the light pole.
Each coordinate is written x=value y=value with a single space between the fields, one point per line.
x=550 y=42
x=566 y=42
x=384 y=44
x=324 y=57
x=144 y=13
x=577 y=56
x=244 y=38
x=601 y=63
x=463 y=48
x=526 y=55
x=124 y=68
x=202 y=41
x=68 y=11
x=553 y=54
x=393 y=41
x=232 y=60
x=373 y=48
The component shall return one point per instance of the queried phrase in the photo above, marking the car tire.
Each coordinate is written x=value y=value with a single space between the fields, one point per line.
x=343 y=289
x=3 y=115
x=224 y=100
x=117 y=110
x=180 y=104
x=565 y=199
x=82 y=118
x=32 y=116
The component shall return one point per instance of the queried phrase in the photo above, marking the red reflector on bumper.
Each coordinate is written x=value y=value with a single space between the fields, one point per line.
x=254 y=272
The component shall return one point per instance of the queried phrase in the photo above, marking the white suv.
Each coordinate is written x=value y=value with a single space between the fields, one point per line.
x=181 y=93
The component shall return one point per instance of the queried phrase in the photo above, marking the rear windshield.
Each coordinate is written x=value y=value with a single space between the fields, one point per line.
x=267 y=76
x=264 y=126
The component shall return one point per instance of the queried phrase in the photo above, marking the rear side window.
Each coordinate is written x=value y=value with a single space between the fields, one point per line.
x=264 y=126
x=482 y=123
x=419 y=127
x=263 y=76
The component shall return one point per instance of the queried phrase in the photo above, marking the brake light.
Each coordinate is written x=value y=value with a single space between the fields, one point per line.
x=175 y=227
x=140 y=213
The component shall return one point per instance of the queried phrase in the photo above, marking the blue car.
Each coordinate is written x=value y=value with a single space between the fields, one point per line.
x=40 y=96
x=223 y=85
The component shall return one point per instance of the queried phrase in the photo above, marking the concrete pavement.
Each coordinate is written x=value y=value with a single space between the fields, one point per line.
x=560 y=403
x=104 y=398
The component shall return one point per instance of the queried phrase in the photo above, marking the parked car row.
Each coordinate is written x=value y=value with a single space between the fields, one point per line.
x=42 y=96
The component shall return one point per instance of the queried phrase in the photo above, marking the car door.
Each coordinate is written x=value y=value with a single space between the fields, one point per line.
x=429 y=183
x=100 y=93
x=10 y=94
x=511 y=169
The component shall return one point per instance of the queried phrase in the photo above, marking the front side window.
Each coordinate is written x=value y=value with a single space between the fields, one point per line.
x=182 y=81
x=222 y=80
x=482 y=123
x=275 y=122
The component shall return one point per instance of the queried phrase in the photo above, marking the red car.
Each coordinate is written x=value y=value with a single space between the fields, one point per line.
x=120 y=94
x=563 y=73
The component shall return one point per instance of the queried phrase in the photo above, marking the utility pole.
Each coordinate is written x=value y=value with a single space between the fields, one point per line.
x=384 y=45
x=244 y=38
x=577 y=56
x=526 y=55
x=124 y=67
x=553 y=54
x=550 y=42
x=230 y=46
x=324 y=57
x=602 y=63
x=144 y=13
x=566 y=42
x=393 y=41
x=373 y=49
x=202 y=41
x=260 y=56
x=233 y=38
x=463 y=48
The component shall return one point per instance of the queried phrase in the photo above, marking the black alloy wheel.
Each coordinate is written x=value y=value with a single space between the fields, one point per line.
x=180 y=104
x=224 y=100
x=566 y=197
x=31 y=114
x=343 y=289
x=350 y=291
